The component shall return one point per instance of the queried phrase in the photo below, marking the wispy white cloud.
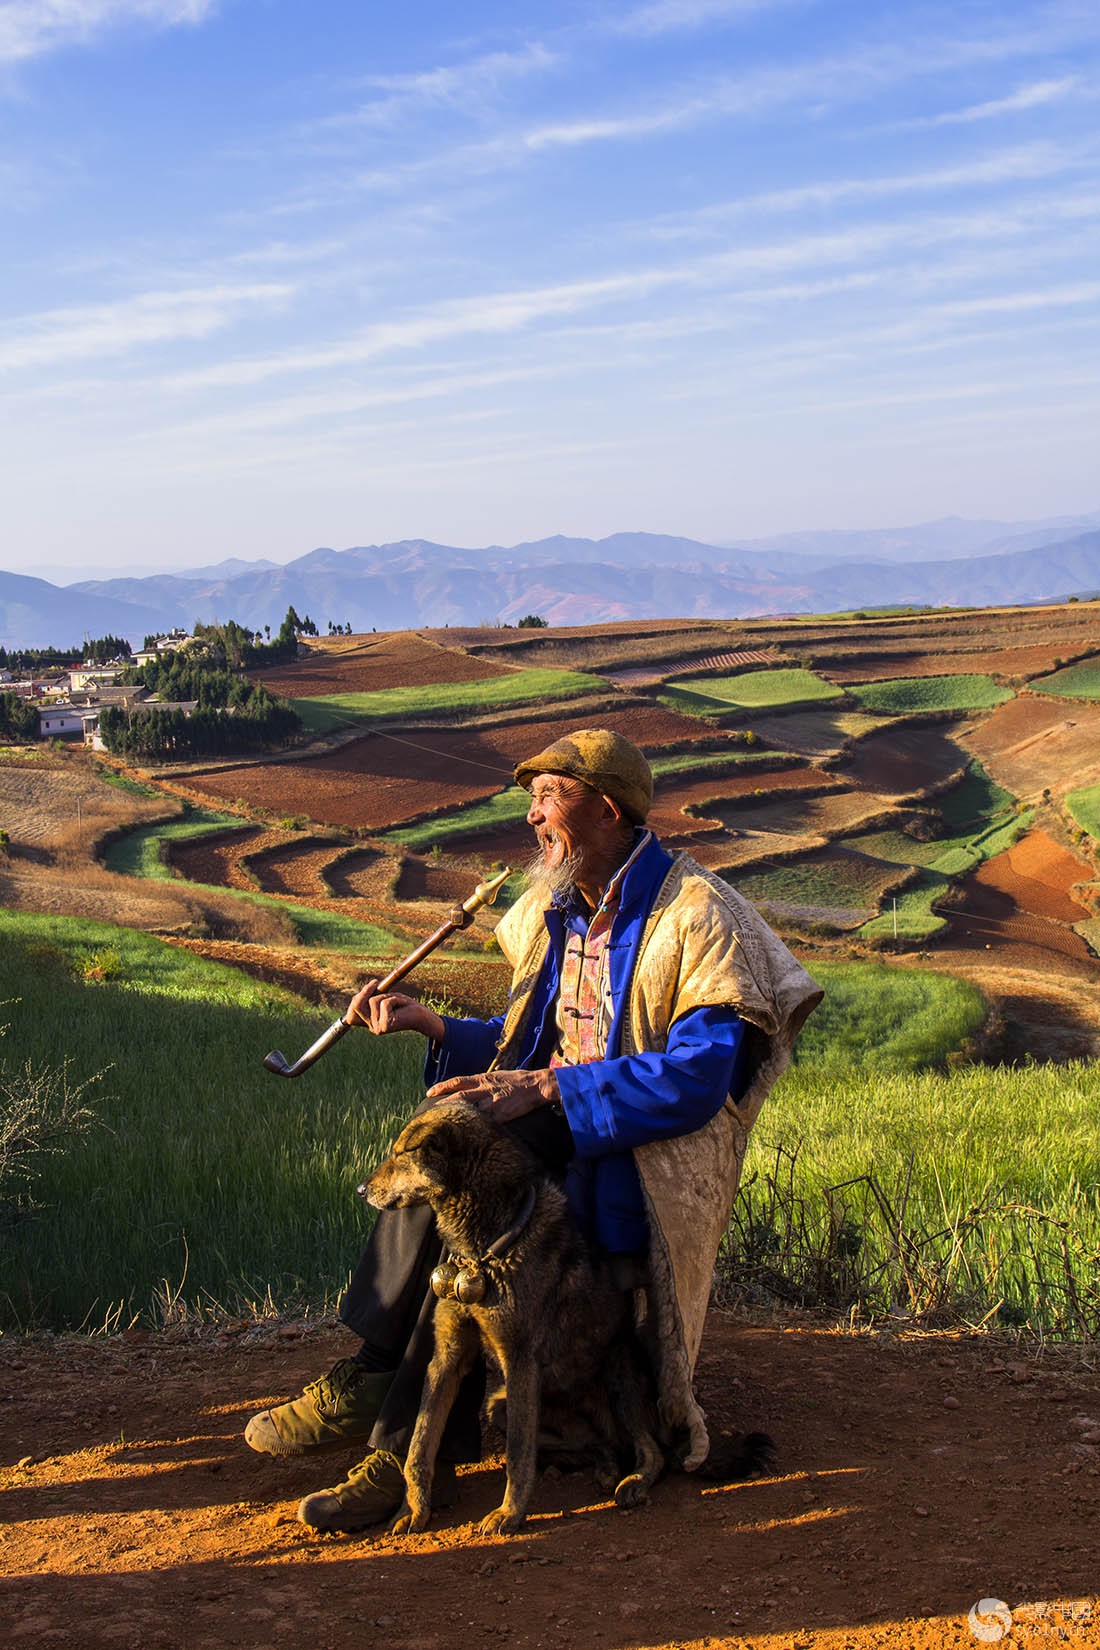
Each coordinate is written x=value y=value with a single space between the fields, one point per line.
x=1024 y=163
x=825 y=82
x=1027 y=97
x=29 y=28
x=458 y=86
x=672 y=16
x=512 y=311
x=113 y=329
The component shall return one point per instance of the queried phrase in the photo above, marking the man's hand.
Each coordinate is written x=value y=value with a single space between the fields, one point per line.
x=502 y=1095
x=392 y=1012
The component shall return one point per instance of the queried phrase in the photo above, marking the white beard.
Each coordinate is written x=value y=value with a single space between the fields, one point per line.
x=552 y=882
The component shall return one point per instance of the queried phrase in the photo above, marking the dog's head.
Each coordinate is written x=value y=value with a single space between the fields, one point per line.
x=435 y=1158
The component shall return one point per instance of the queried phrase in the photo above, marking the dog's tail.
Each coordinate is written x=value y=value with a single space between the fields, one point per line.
x=737 y=1455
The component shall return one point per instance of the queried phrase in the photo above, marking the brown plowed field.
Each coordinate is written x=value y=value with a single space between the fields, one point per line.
x=1020 y=662
x=1032 y=742
x=817 y=816
x=1005 y=641
x=387 y=778
x=90 y=892
x=364 y=874
x=707 y=797
x=1022 y=898
x=217 y=861
x=902 y=761
x=294 y=868
x=467 y=985
x=363 y=664
x=915 y=1476
x=420 y=879
x=815 y=732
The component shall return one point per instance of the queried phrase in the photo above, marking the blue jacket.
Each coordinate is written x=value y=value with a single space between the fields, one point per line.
x=614 y=1104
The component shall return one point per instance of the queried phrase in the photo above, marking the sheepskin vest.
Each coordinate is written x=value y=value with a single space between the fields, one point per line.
x=702 y=945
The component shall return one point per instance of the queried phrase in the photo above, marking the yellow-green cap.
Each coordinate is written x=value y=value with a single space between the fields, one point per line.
x=604 y=760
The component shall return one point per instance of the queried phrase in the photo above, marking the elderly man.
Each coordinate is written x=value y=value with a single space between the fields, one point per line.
x=651 y=1009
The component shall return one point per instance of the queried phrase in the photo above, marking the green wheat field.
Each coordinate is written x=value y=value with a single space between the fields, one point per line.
x=886 y=1174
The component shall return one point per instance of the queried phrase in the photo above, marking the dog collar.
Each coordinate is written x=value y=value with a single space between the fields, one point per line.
x=464 y=1279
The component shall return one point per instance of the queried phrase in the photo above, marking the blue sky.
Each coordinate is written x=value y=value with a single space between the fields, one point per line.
x=284 y=273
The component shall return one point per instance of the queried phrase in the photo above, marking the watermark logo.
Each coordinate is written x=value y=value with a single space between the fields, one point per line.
x=990 y=1619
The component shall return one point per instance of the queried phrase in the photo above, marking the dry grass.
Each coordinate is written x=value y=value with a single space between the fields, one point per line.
x=56 y=805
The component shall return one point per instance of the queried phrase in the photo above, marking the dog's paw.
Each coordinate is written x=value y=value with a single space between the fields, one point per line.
x=632 y=1491
x=408 y=1522
x=606 y=1471
x=500 y=1522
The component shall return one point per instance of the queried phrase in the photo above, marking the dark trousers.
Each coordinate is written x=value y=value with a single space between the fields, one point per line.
x=389 y=1303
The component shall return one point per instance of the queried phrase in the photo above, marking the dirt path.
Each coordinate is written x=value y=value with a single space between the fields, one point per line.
x=914 y=1478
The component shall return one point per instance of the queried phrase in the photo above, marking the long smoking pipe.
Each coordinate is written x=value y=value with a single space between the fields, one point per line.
x=461 y=917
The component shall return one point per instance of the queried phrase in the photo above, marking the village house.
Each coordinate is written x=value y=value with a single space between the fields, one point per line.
x=64 y=721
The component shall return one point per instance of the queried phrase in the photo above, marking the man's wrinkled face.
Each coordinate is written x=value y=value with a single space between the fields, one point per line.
x=565 y=815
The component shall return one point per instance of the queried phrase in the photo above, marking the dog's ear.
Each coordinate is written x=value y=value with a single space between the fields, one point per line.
x=444 y=1152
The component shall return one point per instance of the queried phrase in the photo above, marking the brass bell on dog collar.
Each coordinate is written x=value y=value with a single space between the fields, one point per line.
x=470 y=1286
x=443 y=1280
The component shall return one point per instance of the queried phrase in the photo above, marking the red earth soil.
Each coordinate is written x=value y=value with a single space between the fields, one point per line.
x=386 y=778
x=902 y=761
x=1037 y=740
x=217 y=862
x=915 y=1476
x=1022 y=897
x=362 y=664
x=1003 y=661
x=295 y=868
x=674 y=796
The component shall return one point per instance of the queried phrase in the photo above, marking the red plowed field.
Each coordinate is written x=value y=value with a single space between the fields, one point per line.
x=384 y=779
x=672 y=799
x=217 y=862
x=362 y=664
x=902 y=761
x=1023 y=662
x=1022 y=898
x=1032 y=742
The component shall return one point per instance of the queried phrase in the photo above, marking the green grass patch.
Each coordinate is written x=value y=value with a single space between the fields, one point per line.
x=1084 y=809
x=831 y=879
x=210 y=1184
x=968 y=1196
x=974 y=802
x=506 y=808
x=207 y=1177
x=708 y=761
x=1074 y=682
x=887 y=1018
x=713 y=695
x=905 y=695
x=139 y=853
x=321 y=714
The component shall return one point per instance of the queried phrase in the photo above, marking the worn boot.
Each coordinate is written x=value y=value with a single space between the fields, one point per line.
x=371 y=1494
x=336 y=1412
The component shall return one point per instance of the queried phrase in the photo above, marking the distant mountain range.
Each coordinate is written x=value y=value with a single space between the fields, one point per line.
x=578 y=581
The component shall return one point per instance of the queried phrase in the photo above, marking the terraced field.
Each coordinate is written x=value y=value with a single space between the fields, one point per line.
x=824 y=812
x=1037 y=742
x=903 y=695
x=1081 y=681
x=752 y=689
x=836 y=888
